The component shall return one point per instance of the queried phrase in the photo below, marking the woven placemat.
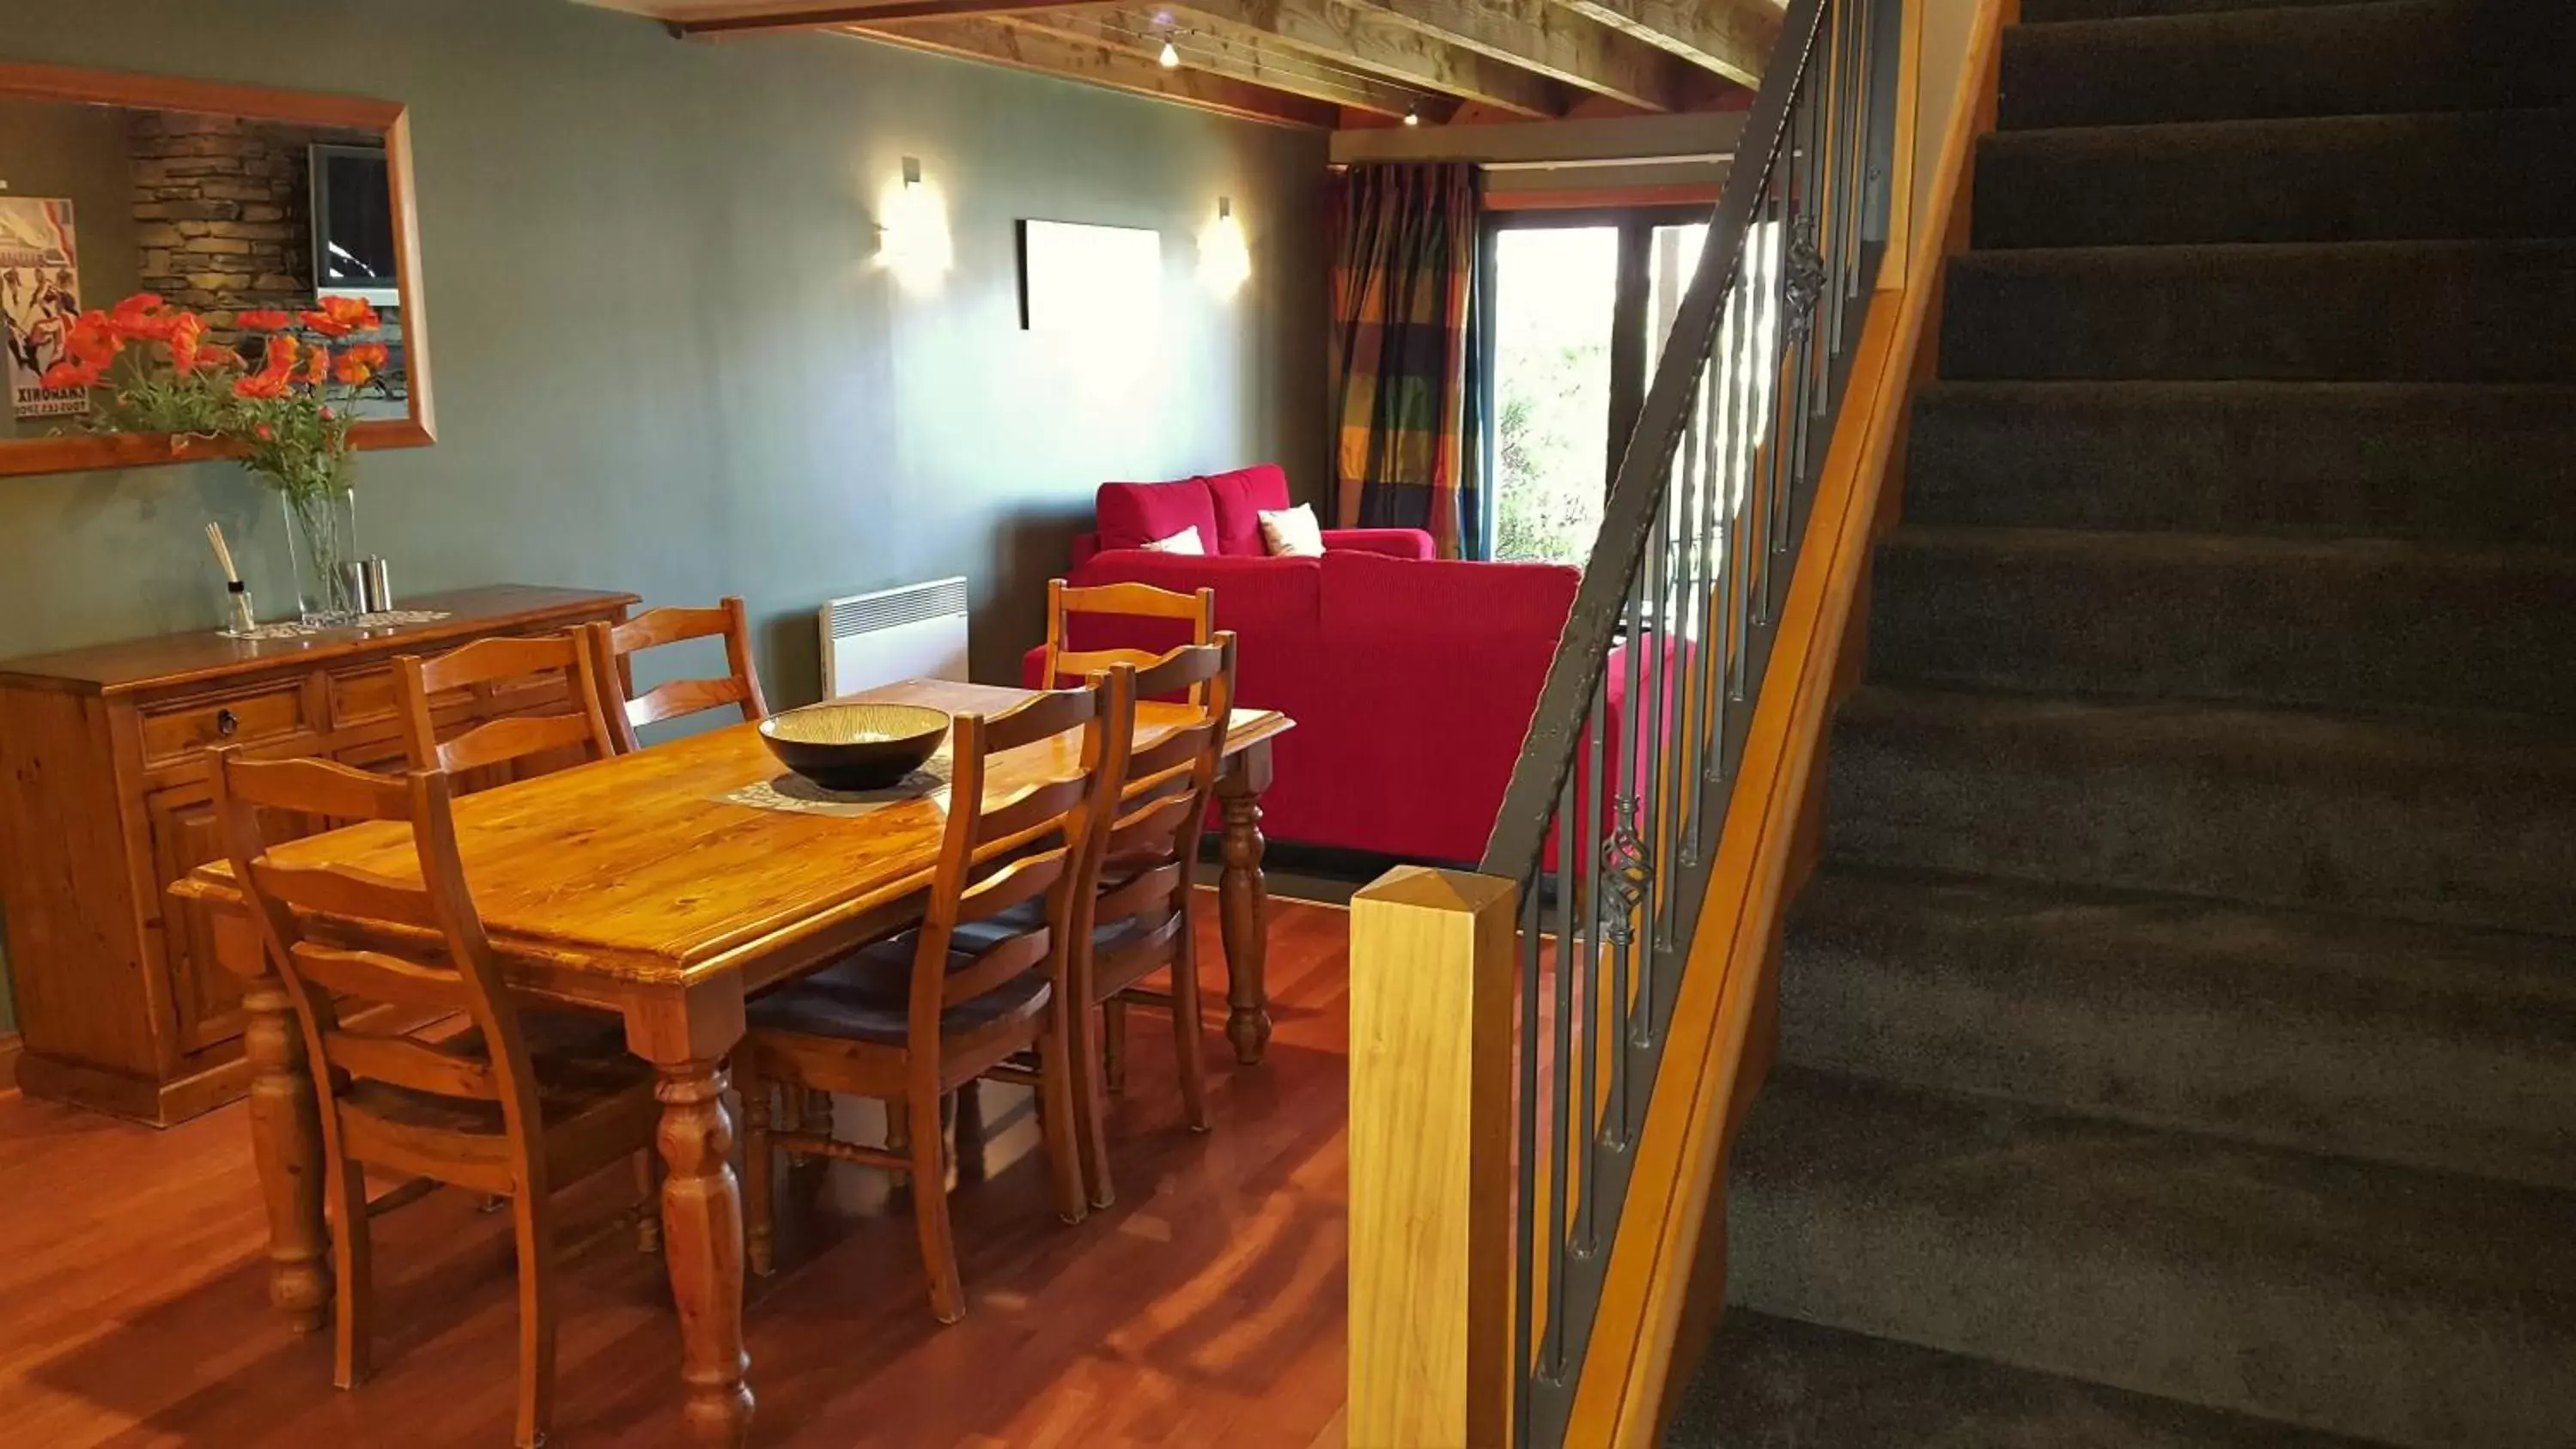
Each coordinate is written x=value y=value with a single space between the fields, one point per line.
x=797 y=795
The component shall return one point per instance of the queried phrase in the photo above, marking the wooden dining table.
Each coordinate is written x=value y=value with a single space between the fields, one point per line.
x=632 y=885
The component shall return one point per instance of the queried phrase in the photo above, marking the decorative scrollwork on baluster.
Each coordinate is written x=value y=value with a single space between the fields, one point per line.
x=1626 y=870
x=1803 y=280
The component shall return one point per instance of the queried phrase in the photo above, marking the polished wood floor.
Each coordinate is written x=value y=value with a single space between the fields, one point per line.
x=1206 y=1308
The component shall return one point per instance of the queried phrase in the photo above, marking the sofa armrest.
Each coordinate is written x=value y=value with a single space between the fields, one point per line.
x=1411 y=543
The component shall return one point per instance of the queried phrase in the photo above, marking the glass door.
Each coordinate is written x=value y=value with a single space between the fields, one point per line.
x=1575 y=319
x=1555 y=291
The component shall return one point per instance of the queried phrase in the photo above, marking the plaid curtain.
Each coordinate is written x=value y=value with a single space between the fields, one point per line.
x=1404 y=271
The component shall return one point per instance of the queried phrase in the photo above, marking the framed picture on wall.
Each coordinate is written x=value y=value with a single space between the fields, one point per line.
x=39 y=296
x=1094 y=280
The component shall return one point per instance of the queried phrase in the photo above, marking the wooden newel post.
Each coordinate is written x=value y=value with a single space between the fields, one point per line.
x=1432 y=1012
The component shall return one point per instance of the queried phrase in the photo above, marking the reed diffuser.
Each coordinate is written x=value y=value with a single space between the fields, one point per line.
x=239 y=616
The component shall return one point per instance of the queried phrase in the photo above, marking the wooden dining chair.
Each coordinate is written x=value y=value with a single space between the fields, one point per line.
x=1131 y=601
x=614 y=647
x=1138 y=918
x=502 y=747
x=914 y=1018
x=521 y=1103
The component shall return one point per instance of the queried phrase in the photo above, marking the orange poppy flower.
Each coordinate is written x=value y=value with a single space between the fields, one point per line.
x=317 y=364
x=268 y=320
x=187 y=341
x=144 y=317
x=260 y=385
x=93 y=340
x=67 y=377
x=346 y=315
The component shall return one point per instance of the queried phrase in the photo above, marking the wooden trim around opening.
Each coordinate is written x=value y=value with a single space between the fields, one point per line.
x=1602 y=198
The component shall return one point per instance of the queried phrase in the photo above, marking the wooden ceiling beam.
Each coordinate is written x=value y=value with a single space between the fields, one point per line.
x=1556 y=42
x=1731 y=37
x=1255 y=60
x=835 y=17
x=1369 y=39
x=1069 y=57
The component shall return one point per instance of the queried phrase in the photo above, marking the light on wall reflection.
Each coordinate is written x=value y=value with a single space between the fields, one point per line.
x=1225 y=256
x=913 y=240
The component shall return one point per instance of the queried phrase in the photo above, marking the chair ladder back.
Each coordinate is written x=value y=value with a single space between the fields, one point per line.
x=414 y=1065
x=987 y=861
x=1126 y=600
x=1163 y=802
x=580 y=725
x=310 y=917
x=614 y=647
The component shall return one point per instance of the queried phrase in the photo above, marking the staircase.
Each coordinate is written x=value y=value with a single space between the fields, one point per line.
x=2179 y=1038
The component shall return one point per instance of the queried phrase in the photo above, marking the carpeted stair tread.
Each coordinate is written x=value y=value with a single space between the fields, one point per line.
x=2437 y=175
x=2421 y=311
x=2433 y=1047
x=2372 y=58
x=2339 y=623
x=2354 y=1298
x=2389 y=460
x=1774 y=1383
x=2448 y=820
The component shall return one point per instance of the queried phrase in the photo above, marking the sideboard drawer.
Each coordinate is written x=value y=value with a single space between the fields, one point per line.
x=369 y=696
x=173 y=730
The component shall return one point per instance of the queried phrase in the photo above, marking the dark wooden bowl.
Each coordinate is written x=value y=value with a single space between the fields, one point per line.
x=855 y=745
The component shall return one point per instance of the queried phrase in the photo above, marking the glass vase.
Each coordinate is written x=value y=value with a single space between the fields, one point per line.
x=321 y=535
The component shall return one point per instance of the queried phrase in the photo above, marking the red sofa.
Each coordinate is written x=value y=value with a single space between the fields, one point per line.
x=1411 y=680
x=1225 y=509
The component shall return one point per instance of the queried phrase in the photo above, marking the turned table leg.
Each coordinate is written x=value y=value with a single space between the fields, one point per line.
x=1243 y=902
x=285 y=1131
x=703 y=1244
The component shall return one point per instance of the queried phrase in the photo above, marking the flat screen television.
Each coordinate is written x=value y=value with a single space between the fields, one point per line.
x=353 y=224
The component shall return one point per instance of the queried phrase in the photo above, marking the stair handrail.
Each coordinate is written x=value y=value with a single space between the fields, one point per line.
x=1506 y=1095
x=1627 y=769
x=1639 y=489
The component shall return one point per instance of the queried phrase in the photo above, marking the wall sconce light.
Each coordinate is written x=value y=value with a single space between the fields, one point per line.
x=1171 y=56
x=913 y=240
x=1225 y=255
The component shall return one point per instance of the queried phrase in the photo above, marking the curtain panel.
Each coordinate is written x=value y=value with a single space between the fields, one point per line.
x=1404 y=287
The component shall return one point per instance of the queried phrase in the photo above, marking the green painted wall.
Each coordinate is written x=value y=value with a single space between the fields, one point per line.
x=665 y=359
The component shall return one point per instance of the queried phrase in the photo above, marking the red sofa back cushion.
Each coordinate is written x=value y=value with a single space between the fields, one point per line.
x=1241 y=497
x=1133 y=515
x=1250 y=592
x=1367 y=593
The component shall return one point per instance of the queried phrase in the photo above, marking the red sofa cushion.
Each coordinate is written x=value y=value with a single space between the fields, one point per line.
x=1250 y=592
x=1370 y=593
x=1133 y=515
x=1241 y=497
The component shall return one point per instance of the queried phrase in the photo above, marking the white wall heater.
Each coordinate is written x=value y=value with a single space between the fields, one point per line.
x=914 y=632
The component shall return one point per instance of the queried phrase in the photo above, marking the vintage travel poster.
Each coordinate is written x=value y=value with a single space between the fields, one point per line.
x=40 y=295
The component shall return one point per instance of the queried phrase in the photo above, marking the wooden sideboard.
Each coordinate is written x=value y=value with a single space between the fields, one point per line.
x=103 y=756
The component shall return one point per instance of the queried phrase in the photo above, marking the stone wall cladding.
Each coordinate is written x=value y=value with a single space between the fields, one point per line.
x=223 y=212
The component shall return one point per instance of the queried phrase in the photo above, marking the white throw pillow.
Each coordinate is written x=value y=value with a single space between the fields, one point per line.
x=1293 y=533
x=1185 y=541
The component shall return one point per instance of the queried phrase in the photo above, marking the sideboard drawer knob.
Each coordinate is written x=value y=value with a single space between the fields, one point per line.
x=226 y=722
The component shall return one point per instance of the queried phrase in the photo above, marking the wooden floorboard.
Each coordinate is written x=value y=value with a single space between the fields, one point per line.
x=1205 y=1308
